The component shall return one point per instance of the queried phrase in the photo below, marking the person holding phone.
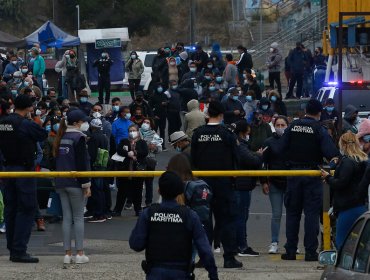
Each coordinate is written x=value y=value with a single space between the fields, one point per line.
x=348 y=201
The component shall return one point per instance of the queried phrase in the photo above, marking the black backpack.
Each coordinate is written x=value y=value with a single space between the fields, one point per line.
x=198 y=196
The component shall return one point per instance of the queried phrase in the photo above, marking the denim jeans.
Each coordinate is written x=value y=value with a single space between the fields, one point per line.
x=345 y=221
x=241 y=231
x=276 y=196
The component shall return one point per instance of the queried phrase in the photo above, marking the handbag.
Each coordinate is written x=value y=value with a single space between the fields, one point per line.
x=54 y=204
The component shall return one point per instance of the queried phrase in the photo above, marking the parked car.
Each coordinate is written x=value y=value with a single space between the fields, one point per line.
x=353 y=260
x=356 y=96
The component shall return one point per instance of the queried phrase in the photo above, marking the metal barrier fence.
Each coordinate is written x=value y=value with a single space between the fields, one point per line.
x=220 y=173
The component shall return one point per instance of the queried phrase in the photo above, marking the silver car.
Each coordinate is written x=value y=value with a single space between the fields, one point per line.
x=353 y=260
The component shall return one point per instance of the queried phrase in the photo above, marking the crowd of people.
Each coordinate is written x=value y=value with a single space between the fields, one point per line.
x=215 y=115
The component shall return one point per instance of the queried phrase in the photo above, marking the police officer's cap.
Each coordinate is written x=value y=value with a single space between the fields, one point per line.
x=76 y=115
x=215 y=108
x=313 y=107
x=23 y=101
x=170 y=185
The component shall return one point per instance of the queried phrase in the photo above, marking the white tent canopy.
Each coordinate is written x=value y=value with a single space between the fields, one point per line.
x=91 y=35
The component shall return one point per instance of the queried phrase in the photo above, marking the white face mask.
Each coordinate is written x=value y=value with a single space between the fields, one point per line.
x=271 y=50
x=133 y=134
x=145 y=126
x=84 y=127
x=96 y=115
x=38 y=112
x=246 y=138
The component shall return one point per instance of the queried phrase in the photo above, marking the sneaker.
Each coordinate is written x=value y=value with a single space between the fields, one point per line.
x=217 y=250
x=288 y=257
x=88 y=215
x=2 y=228
x=298 y=252
x=67 y=259
x=274 y=248
x=113 y=187
x=109 y=216
x=40 y=224
x=82 y=259
x=311 y=257
x=97 y=220
x=26 y=258
x=164 y=149
x=248 y=253
x=232 y=263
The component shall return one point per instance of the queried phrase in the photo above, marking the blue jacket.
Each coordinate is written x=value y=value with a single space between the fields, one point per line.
x=120 y=129
x=138 y=238
x=9 y=70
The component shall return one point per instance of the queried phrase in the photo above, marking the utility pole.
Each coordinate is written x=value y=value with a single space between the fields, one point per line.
x=192 y=21
x=78 y=16
x=261 y=21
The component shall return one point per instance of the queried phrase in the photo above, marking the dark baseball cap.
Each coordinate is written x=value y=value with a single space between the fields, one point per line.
x=76 y=116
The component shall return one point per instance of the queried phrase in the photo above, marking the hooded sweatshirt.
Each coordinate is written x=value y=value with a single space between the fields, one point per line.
x=349 y=125
x=275 y=60
x=194 y=119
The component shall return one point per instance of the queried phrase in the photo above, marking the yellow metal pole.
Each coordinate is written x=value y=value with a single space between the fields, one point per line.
x=98 y=174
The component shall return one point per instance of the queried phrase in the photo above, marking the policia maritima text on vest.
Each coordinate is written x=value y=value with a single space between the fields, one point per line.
x=305 y=144
x=18 y=138
x=167 y=232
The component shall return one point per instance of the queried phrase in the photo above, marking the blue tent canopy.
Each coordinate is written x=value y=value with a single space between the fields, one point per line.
x=51 y=36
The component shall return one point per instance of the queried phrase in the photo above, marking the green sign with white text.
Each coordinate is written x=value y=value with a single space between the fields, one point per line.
x=107 y=43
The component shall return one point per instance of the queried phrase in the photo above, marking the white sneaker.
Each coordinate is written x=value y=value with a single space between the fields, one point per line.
x=82 y=259
x=217 y=250
x=297 y=252
x=273 y=248
x=67 y=259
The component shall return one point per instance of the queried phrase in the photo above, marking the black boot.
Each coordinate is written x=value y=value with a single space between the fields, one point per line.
x=311 y=257
x=288 y=257
x=26 y=258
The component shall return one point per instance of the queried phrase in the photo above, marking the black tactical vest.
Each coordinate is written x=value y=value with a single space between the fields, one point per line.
x=15 y=149
x=304 y=144
x=168 y=238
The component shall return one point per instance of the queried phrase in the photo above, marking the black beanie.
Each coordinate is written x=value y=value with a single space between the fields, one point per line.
x=170 y=185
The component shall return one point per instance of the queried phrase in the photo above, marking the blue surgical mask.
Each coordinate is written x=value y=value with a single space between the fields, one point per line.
x=128 y=116
x=265 y=107
x=178 y=149
x=208 y=78
x=83 y=99
x=115 y=108
x=56 y=127
x=193 y=69
x=14 y=92
x=48 y=128
x=366 y=138
x=236 y=98
x=329 y=109
x=210 y=66
x=249 y=98
x=160 y=90
x=195 y=85
x=26 y=84
x=273 y=98
x=218 y=79
x=174 y=87
x=212 y=88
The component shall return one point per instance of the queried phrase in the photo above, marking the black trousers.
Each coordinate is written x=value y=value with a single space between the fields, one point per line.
x=20 y=207
x=274 y=77
x=161 y=125
x=174 y=122
x=134 y=86
x=104 y=84
x=129 y=188
x=296 y=78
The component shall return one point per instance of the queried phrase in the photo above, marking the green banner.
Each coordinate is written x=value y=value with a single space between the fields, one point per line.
x=107 y=43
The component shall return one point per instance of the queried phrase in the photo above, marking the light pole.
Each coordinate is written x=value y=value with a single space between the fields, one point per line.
x=260 y=21
x=78 y=16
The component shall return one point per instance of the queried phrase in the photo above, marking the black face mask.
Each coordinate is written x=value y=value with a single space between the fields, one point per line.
x=33 y=99
x=138 y=117
x=72 y=56
x=139 y=99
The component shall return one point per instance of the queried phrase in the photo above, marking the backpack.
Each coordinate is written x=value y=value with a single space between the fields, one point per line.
x=198 y=196
x=102 y=158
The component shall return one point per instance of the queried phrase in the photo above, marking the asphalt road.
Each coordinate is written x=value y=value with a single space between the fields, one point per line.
x=108 y=242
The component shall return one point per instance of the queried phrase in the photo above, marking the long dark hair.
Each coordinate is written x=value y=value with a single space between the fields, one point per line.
x=181 y=166
x=61 y=131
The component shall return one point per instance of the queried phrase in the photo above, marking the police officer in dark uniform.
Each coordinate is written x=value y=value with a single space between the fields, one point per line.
x=305 y=143
x=103 y=64
x=214 y=147
x=18 y=138
x=167 y=232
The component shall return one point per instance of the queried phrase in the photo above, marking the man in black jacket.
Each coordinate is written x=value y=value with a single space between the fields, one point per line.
x=159 y=103
x=245 y=61
x=104 y=64
x=297 y=60
x=139 y=102
x=96 y=143
x=200 y=58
